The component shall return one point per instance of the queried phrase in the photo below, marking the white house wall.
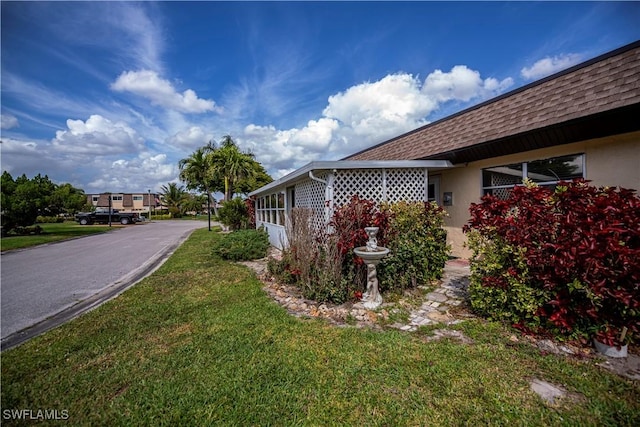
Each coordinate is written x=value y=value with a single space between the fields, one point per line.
x=277 y=235
x=325 y=190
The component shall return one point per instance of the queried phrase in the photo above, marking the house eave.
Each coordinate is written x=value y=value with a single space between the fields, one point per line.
x=303 y=172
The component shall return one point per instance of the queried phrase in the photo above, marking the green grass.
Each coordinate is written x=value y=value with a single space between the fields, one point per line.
x=52 y=233
x=200 y=343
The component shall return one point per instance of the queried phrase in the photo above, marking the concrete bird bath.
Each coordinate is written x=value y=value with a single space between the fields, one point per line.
x=371 y=254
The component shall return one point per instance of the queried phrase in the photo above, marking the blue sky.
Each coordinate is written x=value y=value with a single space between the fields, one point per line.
x=110 y=95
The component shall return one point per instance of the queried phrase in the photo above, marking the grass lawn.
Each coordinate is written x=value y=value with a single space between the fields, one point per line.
x=200 y=343
x=52 y=233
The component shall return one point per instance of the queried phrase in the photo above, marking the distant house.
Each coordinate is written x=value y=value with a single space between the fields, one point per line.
x=581 y=122
x=127 y=202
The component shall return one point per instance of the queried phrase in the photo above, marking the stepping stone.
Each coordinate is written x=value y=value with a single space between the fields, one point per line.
x=435 y=296
x=437 y=316
x=547 y=391
x=417 y=320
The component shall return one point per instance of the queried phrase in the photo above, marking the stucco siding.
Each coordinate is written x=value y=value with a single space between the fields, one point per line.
x=612 y=161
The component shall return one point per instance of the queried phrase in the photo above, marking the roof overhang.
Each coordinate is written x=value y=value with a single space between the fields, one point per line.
x=608 y=123
x=303 y=172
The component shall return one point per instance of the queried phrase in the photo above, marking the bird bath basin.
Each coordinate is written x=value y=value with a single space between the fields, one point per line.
x=371 y=254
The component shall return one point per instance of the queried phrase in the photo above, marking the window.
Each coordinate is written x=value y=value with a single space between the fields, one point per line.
x=95 y=198
x=499 y=180
x=137 y=198
x=116 y=198
x=271 y=208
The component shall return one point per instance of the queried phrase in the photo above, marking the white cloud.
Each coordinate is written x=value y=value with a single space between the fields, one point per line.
x=461 y=84
x=12 y=146
x=192 y=137
x=366 y=114
x=316 y=136
x=273 y=147
x=131 y=31
x=394 y=103
x=549 y=65
x=148 y=84
x=97 y=136
x=7 y=121
x=128 y=172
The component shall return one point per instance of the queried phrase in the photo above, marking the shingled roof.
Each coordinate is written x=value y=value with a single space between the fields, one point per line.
x=597 y=98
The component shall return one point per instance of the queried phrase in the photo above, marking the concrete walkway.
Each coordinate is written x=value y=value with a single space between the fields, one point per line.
x=441 y=305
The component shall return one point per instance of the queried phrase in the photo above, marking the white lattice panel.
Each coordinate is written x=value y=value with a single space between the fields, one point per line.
x=366 y=183
x=406 y=184
x=380 y=185
x=498 y=179
x=310 y=194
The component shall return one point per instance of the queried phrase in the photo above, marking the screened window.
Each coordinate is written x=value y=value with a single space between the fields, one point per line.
x=271 y=208
x=499 y=180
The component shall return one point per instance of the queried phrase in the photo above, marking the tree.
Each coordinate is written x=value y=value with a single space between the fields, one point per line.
x=194 y=202
x=196 y=171
x=67 y=199
x=231 y=164
x=255 y=180
x=225 y=168
x=23 y=199
x=174 y=198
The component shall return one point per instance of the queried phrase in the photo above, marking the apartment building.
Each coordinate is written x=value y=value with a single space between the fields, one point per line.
x=127 y=202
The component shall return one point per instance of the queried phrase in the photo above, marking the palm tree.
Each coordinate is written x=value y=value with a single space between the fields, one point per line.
x=231 y=164
x=194 y=203
x=197 y=172
x=174 y=197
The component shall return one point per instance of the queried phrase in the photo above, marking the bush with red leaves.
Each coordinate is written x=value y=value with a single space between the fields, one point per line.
x=577 y=247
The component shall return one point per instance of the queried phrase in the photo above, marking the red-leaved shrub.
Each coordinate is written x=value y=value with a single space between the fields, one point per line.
x=576 y=248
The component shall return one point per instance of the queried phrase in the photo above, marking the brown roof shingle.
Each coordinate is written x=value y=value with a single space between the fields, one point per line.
x=609 y=82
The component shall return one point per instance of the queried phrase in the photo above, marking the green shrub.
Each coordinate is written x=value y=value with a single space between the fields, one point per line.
x=511 y=299
x=234 y=214
x=27 y=231
x=160 y=217
x=325 y=267
x=49 y=219
x=418 y=244
x=242 y=245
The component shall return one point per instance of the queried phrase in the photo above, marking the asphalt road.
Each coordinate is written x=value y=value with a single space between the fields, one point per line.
x=47 y=285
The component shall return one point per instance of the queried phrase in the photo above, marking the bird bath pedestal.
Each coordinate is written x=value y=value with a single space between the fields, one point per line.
x=371 y=254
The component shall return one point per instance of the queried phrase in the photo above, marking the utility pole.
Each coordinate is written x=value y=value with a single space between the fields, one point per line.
x=209 y=209
x=110 y=206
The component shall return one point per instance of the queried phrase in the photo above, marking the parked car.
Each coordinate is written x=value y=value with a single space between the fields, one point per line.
x=101 y=216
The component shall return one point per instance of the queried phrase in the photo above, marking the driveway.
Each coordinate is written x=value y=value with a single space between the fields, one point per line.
x=45 y=286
